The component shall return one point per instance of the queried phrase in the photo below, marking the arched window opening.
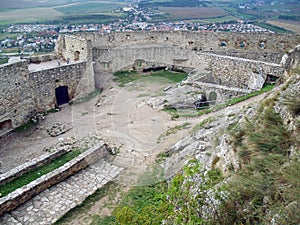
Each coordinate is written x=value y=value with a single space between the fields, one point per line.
x=76 y=55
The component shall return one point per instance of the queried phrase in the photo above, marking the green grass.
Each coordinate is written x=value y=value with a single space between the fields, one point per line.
x=26 y=126
x=124 y=77
x=267 y=171
x=3 y=60
x=198 y=126
x=173 y=130
x=36 y=173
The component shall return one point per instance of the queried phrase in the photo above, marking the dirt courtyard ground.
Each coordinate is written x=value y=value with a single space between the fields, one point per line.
x=121 y=117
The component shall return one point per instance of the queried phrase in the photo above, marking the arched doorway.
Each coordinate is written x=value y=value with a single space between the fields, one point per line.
x=76 y=55
x=212 y=98
x=61 y=94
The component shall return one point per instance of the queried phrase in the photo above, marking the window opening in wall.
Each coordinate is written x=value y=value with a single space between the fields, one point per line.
x=62 y=95
x=105 y=65
x=223 y=44
x=191 y=42
x=166 y=39
x=212 y=97
x=262 y=45
x=76 y=55
x=242 y=44
x=5 y=125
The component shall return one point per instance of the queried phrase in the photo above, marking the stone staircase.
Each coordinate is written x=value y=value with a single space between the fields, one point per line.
x=51 y=204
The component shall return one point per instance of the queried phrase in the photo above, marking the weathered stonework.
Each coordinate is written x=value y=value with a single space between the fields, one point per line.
x=16 y=96
x=226 y=60
x=28 y=191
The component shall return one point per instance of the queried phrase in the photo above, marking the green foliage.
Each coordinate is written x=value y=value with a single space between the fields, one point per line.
x=180 y=202
x=124 y=77
x=201 y=125
x=172 y=111
x=174 y=130
x=26 y=126
x=263 y=187
x=3 y=60
x=36 y=173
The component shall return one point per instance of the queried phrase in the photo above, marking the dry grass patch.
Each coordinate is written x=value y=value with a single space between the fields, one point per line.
x=288 y=25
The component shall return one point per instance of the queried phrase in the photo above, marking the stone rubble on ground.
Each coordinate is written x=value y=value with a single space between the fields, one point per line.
x=57 y=129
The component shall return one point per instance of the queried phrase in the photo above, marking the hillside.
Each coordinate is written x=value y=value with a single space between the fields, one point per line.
x=240 y=167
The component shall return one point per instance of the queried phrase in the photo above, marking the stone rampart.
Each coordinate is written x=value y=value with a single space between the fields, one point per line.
x=16 y=96
x=256 y=46
x=26 y=192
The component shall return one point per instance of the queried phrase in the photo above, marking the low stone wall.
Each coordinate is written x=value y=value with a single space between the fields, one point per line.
x=28 y=191
x=42 y=58
x=31 y=165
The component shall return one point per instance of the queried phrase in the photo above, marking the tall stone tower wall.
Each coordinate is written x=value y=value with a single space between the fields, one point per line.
x=16 y=97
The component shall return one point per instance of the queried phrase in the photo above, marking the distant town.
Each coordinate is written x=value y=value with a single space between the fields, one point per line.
x=33 y=38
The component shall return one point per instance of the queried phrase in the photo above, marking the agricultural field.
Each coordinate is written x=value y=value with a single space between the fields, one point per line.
x=29 y=15
x=89 y=7
x=192 y=12
x=62 y=10
x=293 y=26
x=18 y=4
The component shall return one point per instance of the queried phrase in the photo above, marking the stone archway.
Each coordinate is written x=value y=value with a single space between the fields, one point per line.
x=76 y=55
x=212 y=98
x=62 y=95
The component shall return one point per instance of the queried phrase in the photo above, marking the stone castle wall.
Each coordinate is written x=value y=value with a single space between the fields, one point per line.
x=217 y=69
x=16 y=96
x=44 y=83
x=23 y=93
x=256 y=46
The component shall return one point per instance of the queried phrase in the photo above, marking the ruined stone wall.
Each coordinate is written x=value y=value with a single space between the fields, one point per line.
x=116 y=59
x=216 y=69
x=44 y=83
x=238 y=72
x=256 y=46
x=16 y=97
x=73 y=48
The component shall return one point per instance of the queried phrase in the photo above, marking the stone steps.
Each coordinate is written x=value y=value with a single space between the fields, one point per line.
x=53 y=203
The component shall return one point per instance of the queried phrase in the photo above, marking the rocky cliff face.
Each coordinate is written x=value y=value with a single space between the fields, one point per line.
x=210 y=141
x=260 y=140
